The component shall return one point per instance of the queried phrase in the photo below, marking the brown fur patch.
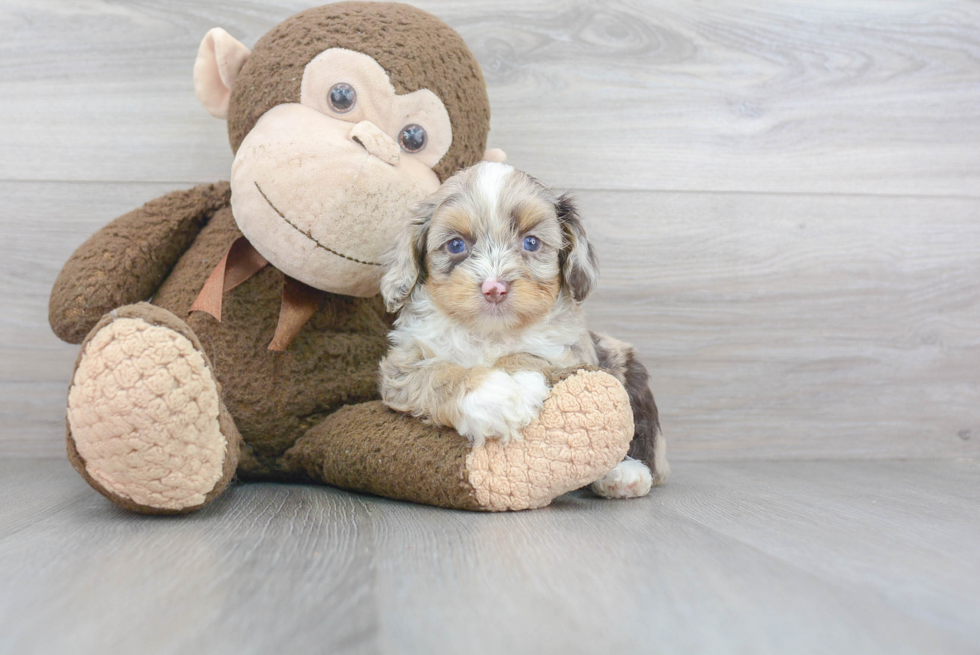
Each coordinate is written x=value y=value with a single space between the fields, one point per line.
x=276 y=397
x=459 y=296
x=619 y=359
x=525 y=362
x=528 y=214
x=370 y=448
x=456 y=295
x=451 y=221
x=613 y=355
x=578 y=259
x=457 y=382
x=532 y=299
x=112 y=268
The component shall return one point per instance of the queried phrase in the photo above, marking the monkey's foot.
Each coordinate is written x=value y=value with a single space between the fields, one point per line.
x=582 y=433
x=146 y=425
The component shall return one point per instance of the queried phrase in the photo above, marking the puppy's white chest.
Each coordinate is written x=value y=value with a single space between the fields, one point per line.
x=469 y=350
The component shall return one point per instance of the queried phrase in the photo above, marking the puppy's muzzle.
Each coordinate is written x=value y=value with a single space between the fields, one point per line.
x=494 y=290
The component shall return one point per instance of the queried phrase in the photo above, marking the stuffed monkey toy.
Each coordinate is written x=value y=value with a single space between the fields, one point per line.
x=234 y=329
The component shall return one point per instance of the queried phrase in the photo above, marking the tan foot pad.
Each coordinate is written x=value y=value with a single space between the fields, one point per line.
x=583 y=431
x=143 y=414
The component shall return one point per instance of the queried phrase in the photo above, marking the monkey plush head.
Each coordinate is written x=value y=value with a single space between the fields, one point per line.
x=341 y=118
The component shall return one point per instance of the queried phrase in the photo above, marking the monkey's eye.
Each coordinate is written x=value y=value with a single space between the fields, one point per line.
x=456 y=246
x=342 y=97
x=532 y=243
x=412 y=138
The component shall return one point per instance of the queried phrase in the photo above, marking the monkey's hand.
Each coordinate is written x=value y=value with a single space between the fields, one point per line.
x=126 y=261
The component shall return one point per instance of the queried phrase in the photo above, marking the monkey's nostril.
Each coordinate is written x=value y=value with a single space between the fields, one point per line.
x=370 y=137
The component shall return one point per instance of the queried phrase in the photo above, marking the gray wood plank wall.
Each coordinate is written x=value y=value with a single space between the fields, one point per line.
x=785 y=195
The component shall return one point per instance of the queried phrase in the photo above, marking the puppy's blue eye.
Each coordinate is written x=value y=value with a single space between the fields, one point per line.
x=531 y=243
x=456 y=246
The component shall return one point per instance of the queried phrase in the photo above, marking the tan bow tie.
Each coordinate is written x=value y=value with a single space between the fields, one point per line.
x=299 y=301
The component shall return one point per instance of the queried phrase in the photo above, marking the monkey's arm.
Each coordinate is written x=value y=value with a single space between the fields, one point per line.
x=126 y=261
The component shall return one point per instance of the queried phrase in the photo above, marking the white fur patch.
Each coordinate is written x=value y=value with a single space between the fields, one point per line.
x=491 y=180
x=502 y=406
x=630 y=479
x=660 y=459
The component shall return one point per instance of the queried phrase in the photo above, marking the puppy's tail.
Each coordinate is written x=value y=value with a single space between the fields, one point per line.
x=649 y=446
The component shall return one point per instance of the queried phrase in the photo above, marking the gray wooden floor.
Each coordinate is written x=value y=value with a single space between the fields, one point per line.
x=785 y=197
x=730 y=557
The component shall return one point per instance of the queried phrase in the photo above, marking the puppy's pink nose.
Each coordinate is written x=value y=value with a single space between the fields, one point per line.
x=494 y=290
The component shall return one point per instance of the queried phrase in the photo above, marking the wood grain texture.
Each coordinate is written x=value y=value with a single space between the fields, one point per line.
x=744 y=95
x=42 y=224
x=798 y=326
x=781 y=326
x=731 y=557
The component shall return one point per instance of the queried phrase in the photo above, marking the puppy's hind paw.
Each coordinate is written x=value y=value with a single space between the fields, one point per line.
x=630 y=479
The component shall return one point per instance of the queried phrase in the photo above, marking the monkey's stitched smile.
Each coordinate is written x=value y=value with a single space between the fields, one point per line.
x=309 y=236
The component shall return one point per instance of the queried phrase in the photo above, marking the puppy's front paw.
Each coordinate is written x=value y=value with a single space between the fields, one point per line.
x=501 y=406
x=534 y=388
x=556 y=375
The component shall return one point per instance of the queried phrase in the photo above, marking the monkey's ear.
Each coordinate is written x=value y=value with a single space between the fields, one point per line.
x=219 y=60
x=405 y=260
x=495 y=155
x=578 y=261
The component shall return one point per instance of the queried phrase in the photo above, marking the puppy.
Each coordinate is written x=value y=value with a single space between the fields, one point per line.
x=489 y=276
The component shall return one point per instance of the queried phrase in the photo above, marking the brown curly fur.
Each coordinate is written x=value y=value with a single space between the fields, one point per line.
x=416 y=49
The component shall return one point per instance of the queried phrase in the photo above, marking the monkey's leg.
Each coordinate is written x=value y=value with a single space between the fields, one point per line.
x=583 y=431
x=146 y=425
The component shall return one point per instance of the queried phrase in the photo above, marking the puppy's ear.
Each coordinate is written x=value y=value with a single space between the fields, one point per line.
x=405 y=260
x=578 y=261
